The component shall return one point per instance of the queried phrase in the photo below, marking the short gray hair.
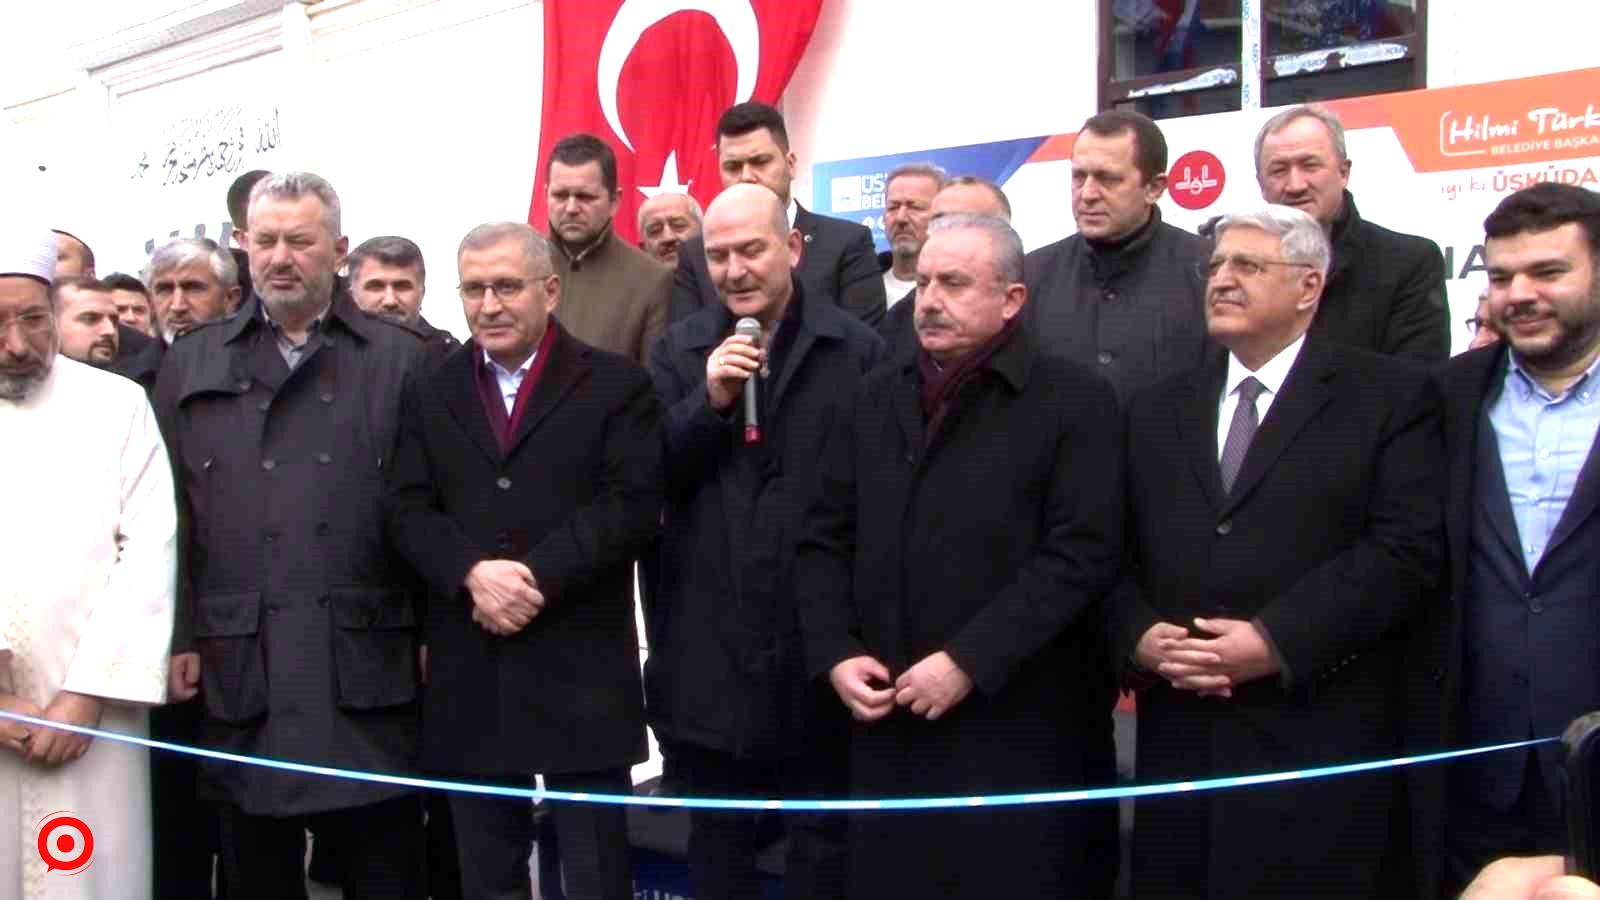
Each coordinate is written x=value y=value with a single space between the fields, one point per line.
x=1302 y=239
x=919 y=169
x=694 y=209
x=1006 y=255
x=1306 y=111
x=389 y=249
x=293 y=186
x=535 y=249
x=183 y=251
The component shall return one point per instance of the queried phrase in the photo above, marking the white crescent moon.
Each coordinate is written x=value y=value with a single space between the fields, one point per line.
x=736 y=18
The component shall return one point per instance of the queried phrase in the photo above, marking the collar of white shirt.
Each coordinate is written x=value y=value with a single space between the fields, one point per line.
x=794 y=210
x=1272 y=373
x=503 y=372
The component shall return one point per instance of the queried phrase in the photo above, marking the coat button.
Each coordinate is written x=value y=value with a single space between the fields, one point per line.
x=503 y=483
x=244 y=384
x=1536 y=605
x=268 y=465
x=1112 y=295
x=264 y=405
x=1225 y=527
x=323 y=600
x=323 y=530
x=327 y=397
x=1105 y=357
x=324 y=458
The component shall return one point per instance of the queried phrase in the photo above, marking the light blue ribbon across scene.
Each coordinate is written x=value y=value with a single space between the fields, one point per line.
x=886 y=803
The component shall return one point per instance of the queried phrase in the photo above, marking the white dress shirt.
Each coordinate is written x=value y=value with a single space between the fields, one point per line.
x=510 y=382
x=1272 y=375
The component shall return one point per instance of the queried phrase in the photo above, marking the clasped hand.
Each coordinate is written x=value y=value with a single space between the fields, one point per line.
x=49 y=746
x=929 y=689
x=505 y=596
x=1223 y=655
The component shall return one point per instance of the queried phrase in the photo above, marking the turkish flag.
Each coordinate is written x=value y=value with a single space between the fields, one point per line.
x=651 y=77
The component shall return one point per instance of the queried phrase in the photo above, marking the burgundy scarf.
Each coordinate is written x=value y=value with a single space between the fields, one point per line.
x=505 y=426
x=939 y=385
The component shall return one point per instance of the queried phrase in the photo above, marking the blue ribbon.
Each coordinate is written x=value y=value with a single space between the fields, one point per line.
x=887 y=803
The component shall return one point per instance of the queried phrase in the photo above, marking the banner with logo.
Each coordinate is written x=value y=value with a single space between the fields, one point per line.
x=651 y=77
x=1432 y=163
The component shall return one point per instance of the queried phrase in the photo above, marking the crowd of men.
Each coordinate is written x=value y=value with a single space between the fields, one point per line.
x=903 y=526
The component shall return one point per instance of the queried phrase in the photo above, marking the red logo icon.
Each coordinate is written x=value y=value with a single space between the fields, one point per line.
x=1196 y=180
x=65 y=843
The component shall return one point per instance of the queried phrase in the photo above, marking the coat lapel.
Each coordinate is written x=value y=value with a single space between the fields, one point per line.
x=1197 y=426
x=459 y=383
x=1305 y=392
x=908 y=406
x=1466 y=400
x=568 y=365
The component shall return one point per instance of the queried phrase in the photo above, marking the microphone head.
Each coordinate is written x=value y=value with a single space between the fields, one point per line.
x=749 y=328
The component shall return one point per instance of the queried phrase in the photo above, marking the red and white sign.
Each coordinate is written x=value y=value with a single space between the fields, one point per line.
x=65 y=843
x=1196 y=180
x=651 y=77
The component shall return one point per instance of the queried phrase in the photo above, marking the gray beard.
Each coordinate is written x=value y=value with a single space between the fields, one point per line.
x=302 y=305
x=18 y=388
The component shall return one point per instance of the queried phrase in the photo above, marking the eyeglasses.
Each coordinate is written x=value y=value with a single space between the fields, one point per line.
x=1474 y=323
x=1243 y=266
x=31 y=323
x=503 y=288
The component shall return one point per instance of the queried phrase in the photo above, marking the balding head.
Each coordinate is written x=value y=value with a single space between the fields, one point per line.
x=751 y=252
x=974 y=196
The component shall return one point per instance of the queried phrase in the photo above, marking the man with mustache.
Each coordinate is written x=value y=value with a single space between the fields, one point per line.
x=89 y=556
x=1385 y=291
x=1512 y=652
x=968 y=521
x=86 y=317
x=728 y=687
x=388 y=278
x=1120 y=296
x=298 y=619
x=192 y=281
x=612 y=295
x=1284 y=519
x=665 y=222
x=908 y=194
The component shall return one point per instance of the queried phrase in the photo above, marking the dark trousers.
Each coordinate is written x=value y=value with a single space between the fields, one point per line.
x=1476 y=835
x=185 y=833
x=381 y=845
x=494 y=836
x=723 y=844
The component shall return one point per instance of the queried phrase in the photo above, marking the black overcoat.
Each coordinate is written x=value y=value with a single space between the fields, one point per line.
x=726 y=670
x=1332 y=538
x=994 y=542
x=305 y=622
x=575 y=499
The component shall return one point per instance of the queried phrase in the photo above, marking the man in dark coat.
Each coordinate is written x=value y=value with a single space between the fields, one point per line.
x=837 y=261
x=1123 y=294
x=1273 y=578
x=388 y=278
x=728 y=687
x=1513 y=652
x=526 y=481
x=1385 y=290
x=281 y=420
x=968 y=521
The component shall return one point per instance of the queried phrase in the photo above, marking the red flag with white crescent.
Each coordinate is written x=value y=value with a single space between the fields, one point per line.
x=651 y=77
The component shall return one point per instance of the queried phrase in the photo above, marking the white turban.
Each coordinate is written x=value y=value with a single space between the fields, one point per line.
x=28 y=251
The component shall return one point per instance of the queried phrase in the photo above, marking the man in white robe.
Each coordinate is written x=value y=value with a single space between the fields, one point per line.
x=88 y=561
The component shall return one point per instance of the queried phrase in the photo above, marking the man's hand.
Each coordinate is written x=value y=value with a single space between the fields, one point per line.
x=52 y=747
x=1237 y=654
x=16 y=736
x=183 y=677
x=728 y=368
x=856 y=682
x=505 y=596
x=1529 y=878
x=932 y=687
x=1151 y=651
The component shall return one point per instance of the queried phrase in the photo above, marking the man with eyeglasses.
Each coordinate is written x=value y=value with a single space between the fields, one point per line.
x=1284 y=503
x=614 y=297
x=1481 y=327
x=89 y=555
x=1385 y=290
x=526 y=480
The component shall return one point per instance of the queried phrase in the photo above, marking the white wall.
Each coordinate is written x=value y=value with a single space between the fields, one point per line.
x=1473 y=41
x=884 y=76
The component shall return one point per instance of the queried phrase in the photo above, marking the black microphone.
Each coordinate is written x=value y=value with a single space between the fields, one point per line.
x=752 y=428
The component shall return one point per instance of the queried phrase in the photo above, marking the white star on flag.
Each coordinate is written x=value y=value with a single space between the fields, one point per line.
x=668 y=181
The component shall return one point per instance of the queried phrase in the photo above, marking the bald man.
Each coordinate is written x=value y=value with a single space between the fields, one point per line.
x=726 y=686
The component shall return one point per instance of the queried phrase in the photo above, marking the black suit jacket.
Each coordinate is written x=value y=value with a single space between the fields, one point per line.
x=837 y=265
x=1560 y=667
x=1332 y=540
x=575 y=499
x=1385 y=291
x=138 y=356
